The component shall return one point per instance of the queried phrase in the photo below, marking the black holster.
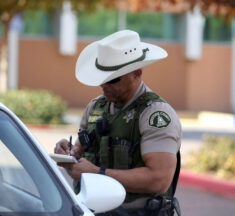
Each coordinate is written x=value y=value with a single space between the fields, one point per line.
x=158 y=206
x=161 y=206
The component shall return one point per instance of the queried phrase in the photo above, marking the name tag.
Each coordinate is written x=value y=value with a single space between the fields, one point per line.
x=93 y=119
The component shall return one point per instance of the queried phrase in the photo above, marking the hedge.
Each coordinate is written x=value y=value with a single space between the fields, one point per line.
x=216 y=156
x=34 y=106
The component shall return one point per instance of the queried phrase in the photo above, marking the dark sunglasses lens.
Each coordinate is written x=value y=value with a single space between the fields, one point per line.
x=114 y=81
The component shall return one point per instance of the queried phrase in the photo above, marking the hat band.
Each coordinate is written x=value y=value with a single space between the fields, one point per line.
x=117 y=67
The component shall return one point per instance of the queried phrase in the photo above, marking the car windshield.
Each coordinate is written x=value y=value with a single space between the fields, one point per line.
x=25 y=185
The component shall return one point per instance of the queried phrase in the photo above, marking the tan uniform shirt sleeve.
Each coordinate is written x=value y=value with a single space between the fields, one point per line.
x=84 y=120
x=154 y=139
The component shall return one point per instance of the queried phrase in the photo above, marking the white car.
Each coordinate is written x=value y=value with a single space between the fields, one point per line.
x=31 y=183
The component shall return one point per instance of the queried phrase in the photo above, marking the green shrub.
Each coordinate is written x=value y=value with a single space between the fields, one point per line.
x=217 y=156
x=34 y=107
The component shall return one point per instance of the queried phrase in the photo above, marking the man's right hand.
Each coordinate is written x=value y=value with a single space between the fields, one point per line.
x=62 y=147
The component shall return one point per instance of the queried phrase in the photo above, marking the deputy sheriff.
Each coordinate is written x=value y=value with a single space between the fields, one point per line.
x=129 y=133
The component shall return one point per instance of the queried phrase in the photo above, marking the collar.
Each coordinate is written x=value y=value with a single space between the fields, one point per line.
x=140 y=90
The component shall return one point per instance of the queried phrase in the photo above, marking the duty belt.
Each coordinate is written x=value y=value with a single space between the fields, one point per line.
x=158 y=206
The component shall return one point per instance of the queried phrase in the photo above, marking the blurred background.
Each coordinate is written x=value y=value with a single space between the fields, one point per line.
x=41 y=40
x=46 y=37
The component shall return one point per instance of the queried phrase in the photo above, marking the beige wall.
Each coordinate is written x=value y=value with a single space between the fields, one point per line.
x=199 y=85
x=208 y=80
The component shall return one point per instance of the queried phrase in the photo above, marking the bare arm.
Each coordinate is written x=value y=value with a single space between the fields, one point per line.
x=155 y=177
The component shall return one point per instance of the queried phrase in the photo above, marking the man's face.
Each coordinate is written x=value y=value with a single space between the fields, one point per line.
x=120 y=92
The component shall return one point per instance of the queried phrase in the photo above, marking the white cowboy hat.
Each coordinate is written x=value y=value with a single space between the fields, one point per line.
x=114 y=56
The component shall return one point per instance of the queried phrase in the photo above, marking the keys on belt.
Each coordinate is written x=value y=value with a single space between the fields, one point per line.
x=160 y=204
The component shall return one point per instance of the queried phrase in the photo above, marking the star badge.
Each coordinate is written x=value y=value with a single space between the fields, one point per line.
x=130 y=115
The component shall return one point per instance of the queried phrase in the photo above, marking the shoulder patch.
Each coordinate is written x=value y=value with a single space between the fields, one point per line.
x=159 y=119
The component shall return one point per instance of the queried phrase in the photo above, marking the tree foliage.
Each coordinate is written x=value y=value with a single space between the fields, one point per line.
x=219 y=7
x=9 y=8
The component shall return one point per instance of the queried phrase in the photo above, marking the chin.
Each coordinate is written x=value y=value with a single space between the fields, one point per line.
x=110 y=99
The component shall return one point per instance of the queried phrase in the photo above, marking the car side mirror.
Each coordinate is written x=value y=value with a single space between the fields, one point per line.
x=100 y=193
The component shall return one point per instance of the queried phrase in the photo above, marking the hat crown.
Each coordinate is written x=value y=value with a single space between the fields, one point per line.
x=114 y=56
x=119 y=48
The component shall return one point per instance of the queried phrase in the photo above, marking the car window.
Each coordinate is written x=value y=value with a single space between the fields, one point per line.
x=25 y=185
x=13 y=173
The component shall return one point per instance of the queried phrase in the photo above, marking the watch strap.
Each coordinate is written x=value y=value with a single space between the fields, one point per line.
x=102 y=171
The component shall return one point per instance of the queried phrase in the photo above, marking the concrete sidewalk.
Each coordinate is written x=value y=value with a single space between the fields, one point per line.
x=202 y=120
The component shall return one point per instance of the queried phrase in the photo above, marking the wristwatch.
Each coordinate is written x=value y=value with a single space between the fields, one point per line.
x=102 y=171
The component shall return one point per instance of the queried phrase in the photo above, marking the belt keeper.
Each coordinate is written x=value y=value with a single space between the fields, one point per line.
x=102 y=171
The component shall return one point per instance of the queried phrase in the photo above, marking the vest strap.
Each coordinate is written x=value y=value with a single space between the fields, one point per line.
x=176 y=175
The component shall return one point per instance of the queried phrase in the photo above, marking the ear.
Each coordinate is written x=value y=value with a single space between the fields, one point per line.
x=138 y=73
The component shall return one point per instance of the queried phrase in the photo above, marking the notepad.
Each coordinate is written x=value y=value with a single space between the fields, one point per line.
x=63 y=158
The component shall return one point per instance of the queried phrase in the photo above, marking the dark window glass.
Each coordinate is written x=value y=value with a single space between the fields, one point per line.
x=217 y=29
x=154 y=25
x=37 y=23
x=97 y=23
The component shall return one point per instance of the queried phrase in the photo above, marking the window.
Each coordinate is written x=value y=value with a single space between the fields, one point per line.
x=37 y=23
x=24 y=181
x=13 y=173
x=100 y=23
x=217 y=29
x=154 y=25
x=97 y=23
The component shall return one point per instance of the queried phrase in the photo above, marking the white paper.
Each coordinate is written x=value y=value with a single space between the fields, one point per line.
x=63 y=158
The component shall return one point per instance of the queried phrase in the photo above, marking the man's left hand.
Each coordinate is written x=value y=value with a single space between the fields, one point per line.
x=82 y=166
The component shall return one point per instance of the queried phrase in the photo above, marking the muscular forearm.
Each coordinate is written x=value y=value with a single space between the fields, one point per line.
x=140 y=180
x=154 y=177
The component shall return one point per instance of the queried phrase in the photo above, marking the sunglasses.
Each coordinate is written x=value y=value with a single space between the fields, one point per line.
x=114 y=81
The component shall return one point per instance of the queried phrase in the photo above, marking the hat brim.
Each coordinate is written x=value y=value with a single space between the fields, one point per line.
x=88 y=74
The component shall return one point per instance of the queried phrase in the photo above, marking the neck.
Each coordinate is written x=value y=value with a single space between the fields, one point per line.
x=128 y=95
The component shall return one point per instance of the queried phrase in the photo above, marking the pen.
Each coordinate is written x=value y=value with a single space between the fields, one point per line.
x=70 y=144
